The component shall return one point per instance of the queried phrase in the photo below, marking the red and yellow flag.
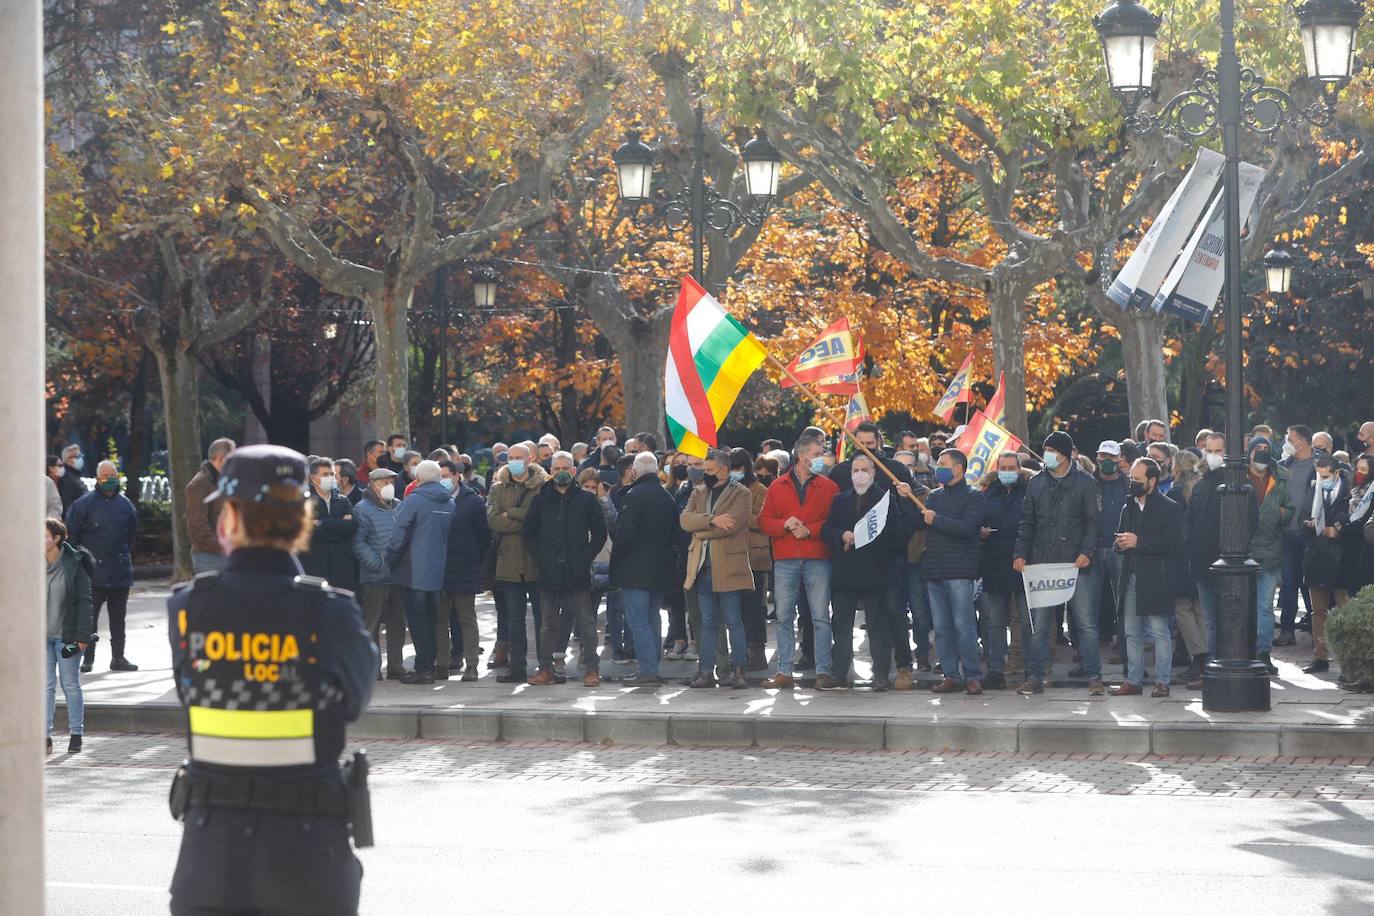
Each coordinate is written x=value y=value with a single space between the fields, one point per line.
x=856 y=413
x=957 y=393
x=997 y=406
x=833 y=355
x=983 y=440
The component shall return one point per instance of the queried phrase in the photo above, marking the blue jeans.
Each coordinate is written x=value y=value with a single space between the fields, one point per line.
x=1139 y=628
x=518 y=595
x=789 y=578
x=1107 y=560
x=1294 y=544
x=207 y=562
x=1264 y=630
x=1038 y=630
x=956 y=627
x=995 y=608
x=69 y=670
x=1207 y=600
x=914 y=590
x=715 y=605
x=616 y=628
x=642 y=618
x=422 y=614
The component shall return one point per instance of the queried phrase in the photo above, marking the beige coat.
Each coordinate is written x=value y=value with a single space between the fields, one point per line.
x=730 y=570
x=507 y=504
x=760 y=544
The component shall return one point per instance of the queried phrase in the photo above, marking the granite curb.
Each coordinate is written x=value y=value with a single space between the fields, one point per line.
x=1207 y=739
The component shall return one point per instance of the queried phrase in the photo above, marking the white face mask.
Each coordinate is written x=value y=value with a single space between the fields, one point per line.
x=862 y=481
x=1214 y=461
x=1288 y=450
x=327 y=484
x=397 y=454
x=387 y=493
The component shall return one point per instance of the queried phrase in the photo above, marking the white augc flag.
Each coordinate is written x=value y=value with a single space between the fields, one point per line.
x=1048 y=584
x=871 y=525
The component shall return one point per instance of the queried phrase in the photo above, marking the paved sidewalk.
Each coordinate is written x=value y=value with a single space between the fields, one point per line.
x=1312 y=716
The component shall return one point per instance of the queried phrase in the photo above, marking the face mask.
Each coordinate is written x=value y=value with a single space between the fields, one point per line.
x=1052 y=460
x=446 y=483
x=1108 y=467
x=1007 y=478
x=945 y=476
x=817 y=465
x=562 y=478
x=1329 y=484
x=79 y=462
x=109 y=485
x=502 y=458
x=737 y=476
x=695 y=475
x=1214 y=461
x=710 y=480
x=1258 y=468
x=1288 y=450
x=327 y=484
x=387 y=493
x=862 y=481
x=679 y=472
x=1361 y=477
x=397 y=454
x=517 y=467
x=923 y=458
x=1139 y=488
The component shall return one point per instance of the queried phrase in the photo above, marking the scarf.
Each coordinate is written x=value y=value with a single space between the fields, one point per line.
x=1366 y=498
x=1319 y=504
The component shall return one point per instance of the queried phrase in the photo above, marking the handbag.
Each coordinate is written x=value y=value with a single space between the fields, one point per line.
x=1321 y=561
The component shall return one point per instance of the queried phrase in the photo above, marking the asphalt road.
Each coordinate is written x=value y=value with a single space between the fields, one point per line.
x=464 y=828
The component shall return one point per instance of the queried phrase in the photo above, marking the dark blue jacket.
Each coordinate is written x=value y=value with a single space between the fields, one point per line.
x=1114 y=496
x=375 y=524
x=953 y=548
x=1002 y=512
x=868 y=566
x=642 y=547
x=418 y=550
x=105 y=526
x=468 y=539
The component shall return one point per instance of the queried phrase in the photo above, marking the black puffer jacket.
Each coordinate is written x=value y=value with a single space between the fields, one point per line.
x=563 y=533
x=953 y=548
x=1059 y=518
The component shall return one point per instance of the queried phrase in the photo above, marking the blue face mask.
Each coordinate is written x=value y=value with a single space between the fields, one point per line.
x=1052 y=460
x=944 y=476
x=1329 y=484
x=817 y=465
x=737 y=476
x=1007 y=477
x=517 y=467
x=446 y=483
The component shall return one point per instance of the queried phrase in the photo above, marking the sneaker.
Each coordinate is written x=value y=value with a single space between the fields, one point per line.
x=1317 y=667
x=923 y=664
x=1031 y=685
x=641 y=680
x=690 y=653
x=74 y=745
x=122 y=664
x=1160 y=691
x=995 y=681
x=675 y=651
x=826 y=682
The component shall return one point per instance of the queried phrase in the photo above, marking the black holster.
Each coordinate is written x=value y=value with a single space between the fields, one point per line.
x=180 y=794
x=359 y=799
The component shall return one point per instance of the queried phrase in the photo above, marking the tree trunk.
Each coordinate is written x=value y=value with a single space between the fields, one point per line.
x=177 y=372
x=1142 y=347
x=136 y=461
x=389 y=309
x=1007 y=303
x=642 y=347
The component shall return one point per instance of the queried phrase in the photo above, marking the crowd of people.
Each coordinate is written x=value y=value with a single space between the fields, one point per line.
x=720 y=545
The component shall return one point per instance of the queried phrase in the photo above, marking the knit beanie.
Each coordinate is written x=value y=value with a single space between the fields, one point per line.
x=1061 y=442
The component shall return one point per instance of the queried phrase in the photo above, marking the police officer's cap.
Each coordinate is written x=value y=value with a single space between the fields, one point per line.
x=263 y=473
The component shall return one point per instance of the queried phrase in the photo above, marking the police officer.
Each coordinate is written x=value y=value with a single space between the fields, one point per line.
x=271 y=665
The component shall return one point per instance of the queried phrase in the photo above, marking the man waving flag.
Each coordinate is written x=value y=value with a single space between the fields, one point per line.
x=710 y=357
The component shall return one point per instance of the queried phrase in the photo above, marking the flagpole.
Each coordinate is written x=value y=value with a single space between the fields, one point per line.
x=806 y=389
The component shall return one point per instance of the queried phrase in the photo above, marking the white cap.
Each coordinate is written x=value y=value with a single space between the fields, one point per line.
x=1110 y=447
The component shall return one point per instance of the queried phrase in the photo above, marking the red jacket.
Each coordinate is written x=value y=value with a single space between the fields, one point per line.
x=783 y=501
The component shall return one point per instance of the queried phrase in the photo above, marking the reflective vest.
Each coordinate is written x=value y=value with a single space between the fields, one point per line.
x=254 y=692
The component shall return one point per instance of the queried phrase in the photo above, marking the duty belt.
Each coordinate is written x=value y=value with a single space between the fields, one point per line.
x=281 y=796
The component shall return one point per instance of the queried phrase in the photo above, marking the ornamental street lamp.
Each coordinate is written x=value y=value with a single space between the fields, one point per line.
x=1278 y=271
x=1228 y=98
x=698 y=205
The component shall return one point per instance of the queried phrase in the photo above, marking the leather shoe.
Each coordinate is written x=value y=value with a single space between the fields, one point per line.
x=1285 y=639
x=826 y=682
x=995 y=681
x=440 y=674
x=737 y=679
x=591 y=679
x=542 y=678
x=1269 y=663
x=122 y=664
x=973 y=688
x=779 y=681
x=1317 y=667
x=1161 y=690
x=1194 y=683
x=879 y=685
x=500 y=656
x=470 y=673
x=948 y=685
x=415 y=677
x=1031 y=685
x=511 y=677
x=641 y=680
x=1125 y=690
x=703 y=679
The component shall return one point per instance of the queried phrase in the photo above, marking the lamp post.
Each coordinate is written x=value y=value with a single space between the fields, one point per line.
x=484 y=279
x=1228 y=98
x=1278 y=271
x=698 y=206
